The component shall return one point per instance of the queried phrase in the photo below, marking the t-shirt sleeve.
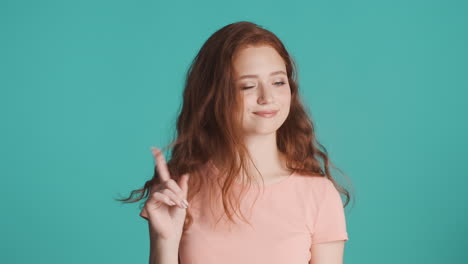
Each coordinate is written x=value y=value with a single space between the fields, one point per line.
x=330 y=222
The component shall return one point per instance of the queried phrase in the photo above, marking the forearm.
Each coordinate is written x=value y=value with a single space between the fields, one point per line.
x=163 y=251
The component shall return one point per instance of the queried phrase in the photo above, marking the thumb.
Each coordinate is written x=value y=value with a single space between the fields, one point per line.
x=183 y=183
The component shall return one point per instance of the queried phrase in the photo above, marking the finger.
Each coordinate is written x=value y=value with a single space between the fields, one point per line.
x=183 y=183
x=161 y=164
x=174 y=197
x=174 y=186
x=161 y=198
x=181 y=194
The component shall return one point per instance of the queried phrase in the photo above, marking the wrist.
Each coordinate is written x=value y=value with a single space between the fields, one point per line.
x=164 y=251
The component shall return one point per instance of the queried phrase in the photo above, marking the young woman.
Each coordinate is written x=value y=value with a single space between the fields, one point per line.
x=242 y=122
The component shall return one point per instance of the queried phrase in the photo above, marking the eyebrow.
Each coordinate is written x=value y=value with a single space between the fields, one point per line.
x=255 y=76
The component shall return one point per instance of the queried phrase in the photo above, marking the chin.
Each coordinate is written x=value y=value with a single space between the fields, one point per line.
x=263 y=130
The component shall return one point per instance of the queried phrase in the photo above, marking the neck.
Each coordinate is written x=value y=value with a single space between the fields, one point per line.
x=265 y=154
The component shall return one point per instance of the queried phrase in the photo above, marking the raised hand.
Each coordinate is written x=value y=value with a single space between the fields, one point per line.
x=166 y=205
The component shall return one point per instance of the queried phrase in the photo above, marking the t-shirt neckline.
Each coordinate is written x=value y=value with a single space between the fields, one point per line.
x=283 y=181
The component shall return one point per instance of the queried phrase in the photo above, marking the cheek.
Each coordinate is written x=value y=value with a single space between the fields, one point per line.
x=285 y=97
x=249 y=102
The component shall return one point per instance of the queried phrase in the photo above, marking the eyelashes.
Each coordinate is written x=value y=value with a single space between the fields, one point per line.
x=280 y=84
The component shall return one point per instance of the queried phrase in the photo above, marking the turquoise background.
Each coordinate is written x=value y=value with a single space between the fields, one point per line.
x=88 y=86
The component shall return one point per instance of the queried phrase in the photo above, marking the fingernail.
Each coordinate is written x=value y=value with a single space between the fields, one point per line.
x=186 y=202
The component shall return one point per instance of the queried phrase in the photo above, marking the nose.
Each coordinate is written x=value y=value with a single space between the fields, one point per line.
x=265 y=95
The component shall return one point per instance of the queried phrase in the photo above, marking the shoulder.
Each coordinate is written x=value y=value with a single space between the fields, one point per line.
x=312 y=187
x=315 y=182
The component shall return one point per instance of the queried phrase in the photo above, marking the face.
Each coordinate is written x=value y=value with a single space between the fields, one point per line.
x=260 y=75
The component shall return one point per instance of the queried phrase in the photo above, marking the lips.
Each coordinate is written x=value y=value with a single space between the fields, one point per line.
x=268 y=113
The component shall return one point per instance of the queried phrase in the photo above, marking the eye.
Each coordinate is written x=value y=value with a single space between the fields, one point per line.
x=276 y=83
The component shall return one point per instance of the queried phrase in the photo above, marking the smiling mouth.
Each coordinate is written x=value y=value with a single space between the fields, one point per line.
x=266 y=113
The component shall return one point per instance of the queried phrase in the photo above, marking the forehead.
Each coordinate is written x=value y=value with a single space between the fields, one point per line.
x=257 y=60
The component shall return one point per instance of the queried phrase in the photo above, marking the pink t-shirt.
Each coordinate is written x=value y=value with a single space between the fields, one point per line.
x=287 y=218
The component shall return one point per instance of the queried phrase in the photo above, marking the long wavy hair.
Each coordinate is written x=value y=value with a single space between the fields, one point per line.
x=209 y=126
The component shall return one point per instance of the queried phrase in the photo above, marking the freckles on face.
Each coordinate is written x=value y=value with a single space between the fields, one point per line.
x=260 y=76
x=265 y=124
x=277 y=100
